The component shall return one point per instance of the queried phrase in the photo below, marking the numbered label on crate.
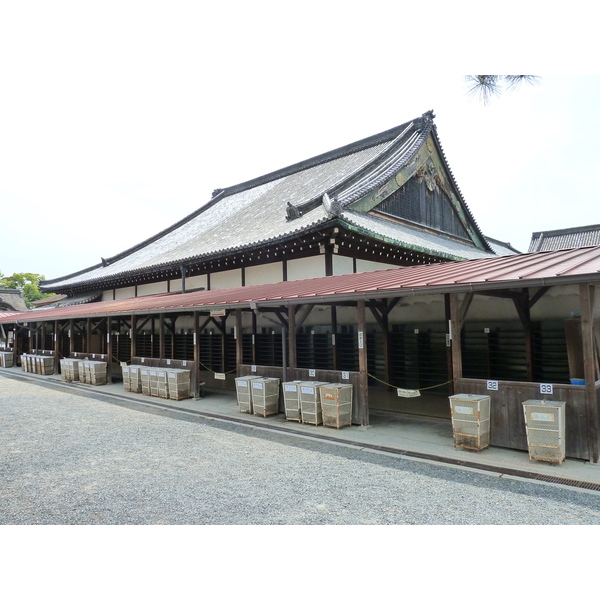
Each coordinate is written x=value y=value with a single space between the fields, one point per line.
x=548 y=417
x=546 y=388
x=464 y=410
x=345 y=375
x=257 y=385
x=308 y=390
x=290 y=388
x=492 y=385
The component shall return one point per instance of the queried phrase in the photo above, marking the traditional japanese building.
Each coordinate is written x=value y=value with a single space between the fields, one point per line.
x=363 y=265
x=388 y=200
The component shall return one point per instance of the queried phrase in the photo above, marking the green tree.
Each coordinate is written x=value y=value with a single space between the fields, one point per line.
x=488 y=86
x=26 y=282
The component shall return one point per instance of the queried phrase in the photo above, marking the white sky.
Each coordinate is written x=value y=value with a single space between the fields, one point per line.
x=119 y=118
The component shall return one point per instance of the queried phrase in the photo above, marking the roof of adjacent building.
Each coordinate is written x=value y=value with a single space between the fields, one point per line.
x=11 y=299
x=560 y=239
x=501 y=248
x=286 y=203
x=581 y=265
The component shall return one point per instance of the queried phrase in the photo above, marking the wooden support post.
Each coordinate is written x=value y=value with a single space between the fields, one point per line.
x=449 y=345
x=56 y=348
x=334 y=328
x=363 y=381
x=522 y=304
x=239 y=341
x=195 y=376
x=133 y=334
x=455 y=336
x=88 y=335
x=71 y=337
x=109 y=352
x=253 y=338
x=586 y=296
x=293 y=356
x=223 y=330
x=161 y=333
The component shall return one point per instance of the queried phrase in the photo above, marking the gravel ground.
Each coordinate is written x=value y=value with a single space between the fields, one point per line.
x=77 y=457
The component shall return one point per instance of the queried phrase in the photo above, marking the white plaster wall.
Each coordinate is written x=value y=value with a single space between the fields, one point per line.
x=225 y=280
x=107 y=295
x=306 y=268
x=363 y=266
x=271 y=273
x=191 y=283
x=121 y=293
x=147 y=289
x=342 y=265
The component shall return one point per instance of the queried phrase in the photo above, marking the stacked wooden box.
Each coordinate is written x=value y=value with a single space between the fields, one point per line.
x=310 y=402
x=244 y=392
x=179 y=383
x=153 y=378
x=41 y=365
x=336 y=403
x=95 y=372
x=265 y=396
x=7 y=360
x=145 y=378
x=172 y=384
x=163 y=386
x=126 y=372
x=45 y=365
x=291 y=400
x=135 y=379
x=69 y=368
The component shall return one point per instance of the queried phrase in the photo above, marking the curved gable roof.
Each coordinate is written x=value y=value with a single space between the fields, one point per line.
x=274 y=207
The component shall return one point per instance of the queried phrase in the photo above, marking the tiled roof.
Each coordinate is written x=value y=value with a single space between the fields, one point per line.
x=502 y=248
x=246 y=215
x=560 y=239
x=413 y=237
x=62 y=300
x=502 y=272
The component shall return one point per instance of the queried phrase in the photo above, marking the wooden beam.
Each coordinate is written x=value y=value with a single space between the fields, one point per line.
x=363 y=385
x=195 y=375
x=334 y=328
x=161 y=333
x=133 y=334
x=239 y=342
x=464 y=309
x=533 y=300
x=88 y=335
x=586 y=295
x=304 y=311
x=448 y=315
x=56 y=346
x=109 y=353
x=71 y=337
x=522 y=304
x=292 y=329
x=455 y=332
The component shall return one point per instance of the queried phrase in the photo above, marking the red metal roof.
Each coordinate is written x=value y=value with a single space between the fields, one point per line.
x=502 y=272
